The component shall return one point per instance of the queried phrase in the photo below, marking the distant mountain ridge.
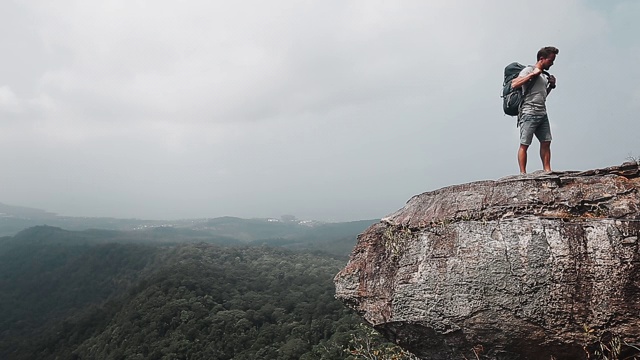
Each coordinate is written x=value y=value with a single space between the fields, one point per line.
x=286 y=231
x=24 y=212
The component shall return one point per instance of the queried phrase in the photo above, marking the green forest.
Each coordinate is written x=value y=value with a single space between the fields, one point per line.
x=118 y=295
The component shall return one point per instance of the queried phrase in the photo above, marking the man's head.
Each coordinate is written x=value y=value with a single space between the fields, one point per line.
x=547 y=55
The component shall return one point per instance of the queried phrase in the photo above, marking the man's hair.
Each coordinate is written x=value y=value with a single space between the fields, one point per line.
x=546 y=51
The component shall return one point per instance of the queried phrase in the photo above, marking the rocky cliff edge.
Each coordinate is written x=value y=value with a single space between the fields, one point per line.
x=526 y=267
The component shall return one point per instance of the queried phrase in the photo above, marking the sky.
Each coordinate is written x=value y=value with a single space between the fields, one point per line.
x=326 y=110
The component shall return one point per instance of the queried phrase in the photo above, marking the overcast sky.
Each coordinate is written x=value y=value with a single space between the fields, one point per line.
x=331 y=110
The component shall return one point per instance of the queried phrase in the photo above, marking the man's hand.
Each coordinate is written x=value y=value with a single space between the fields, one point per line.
x=552 y=81
x=536 y=71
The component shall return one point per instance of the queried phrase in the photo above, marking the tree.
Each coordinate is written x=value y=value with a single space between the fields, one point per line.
x=368 y=344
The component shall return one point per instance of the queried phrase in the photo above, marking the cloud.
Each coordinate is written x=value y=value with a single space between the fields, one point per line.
x=253 y=108
x=8 y=100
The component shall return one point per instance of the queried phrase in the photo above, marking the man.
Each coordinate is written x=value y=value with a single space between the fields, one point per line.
x=532 y=118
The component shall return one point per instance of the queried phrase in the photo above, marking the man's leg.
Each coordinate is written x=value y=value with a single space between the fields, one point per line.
x=527 y=128
x=545 y=155
x=543 y=133
x=522 y=158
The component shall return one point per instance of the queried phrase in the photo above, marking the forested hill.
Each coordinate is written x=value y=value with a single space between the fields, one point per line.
x=335 y=238
x=101 y=295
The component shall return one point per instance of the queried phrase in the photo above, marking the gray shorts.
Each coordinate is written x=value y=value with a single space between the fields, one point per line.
x=534 y=124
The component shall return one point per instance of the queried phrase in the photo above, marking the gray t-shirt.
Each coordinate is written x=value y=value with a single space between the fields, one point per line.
x=534 y=101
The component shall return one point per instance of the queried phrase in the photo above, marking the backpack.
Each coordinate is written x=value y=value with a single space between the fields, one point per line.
x=512 y=98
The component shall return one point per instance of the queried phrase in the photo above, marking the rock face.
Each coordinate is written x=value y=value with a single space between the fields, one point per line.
x=525 y=267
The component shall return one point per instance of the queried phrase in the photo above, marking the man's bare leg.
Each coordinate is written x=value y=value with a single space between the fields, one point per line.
x=522 y=158
x=545 y=155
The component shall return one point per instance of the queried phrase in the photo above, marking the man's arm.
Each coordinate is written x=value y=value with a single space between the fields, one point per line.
x=521 y=80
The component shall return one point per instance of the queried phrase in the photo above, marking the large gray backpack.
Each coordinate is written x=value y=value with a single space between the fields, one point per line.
x=512 y=98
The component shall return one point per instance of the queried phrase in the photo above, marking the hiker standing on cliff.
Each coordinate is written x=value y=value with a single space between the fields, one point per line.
x=532 y=118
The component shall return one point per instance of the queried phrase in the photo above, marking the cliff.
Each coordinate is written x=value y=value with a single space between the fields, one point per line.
x=526 y=267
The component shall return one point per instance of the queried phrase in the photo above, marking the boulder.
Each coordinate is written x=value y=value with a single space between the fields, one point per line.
x=542 y=266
